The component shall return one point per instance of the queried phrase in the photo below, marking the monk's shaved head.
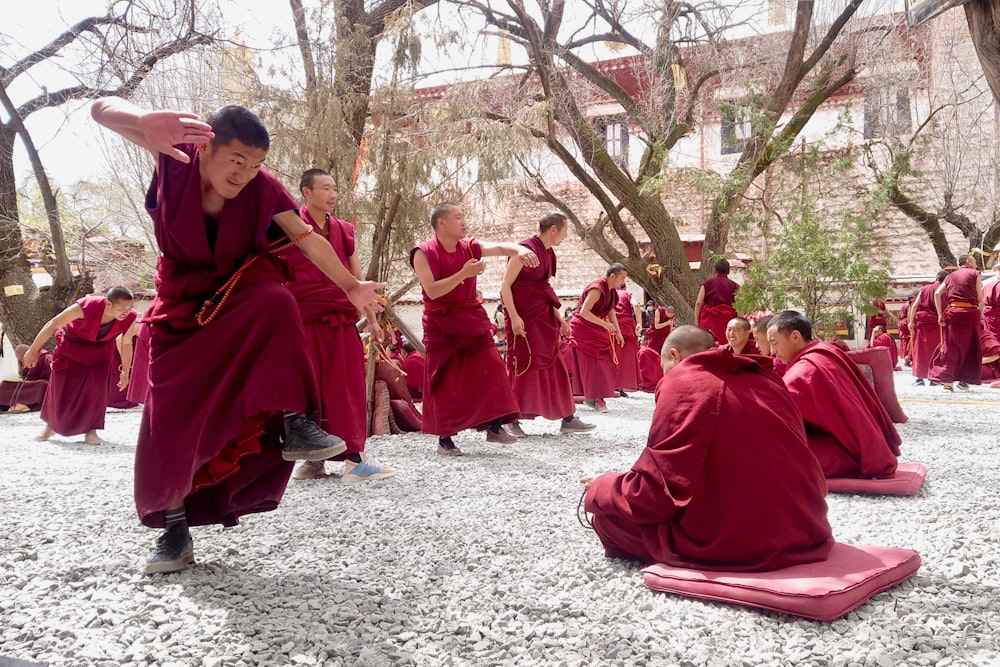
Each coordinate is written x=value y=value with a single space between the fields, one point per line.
x=19 y=351
x=688 y=340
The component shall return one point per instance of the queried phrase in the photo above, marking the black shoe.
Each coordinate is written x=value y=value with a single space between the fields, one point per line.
x=174 y=550
x=304 y=441
x=622 y=394
x=919 y=382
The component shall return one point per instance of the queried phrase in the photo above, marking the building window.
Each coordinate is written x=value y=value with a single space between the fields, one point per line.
x=887 y=113
x=613 y=131
x=737 y=127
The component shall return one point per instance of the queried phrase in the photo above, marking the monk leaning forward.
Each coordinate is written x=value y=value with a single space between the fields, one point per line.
x=595 y=332
x=726 y=480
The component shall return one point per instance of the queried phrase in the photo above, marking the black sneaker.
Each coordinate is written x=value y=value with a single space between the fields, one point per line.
x=304 y=441
x=174 y=550
x=919 y=382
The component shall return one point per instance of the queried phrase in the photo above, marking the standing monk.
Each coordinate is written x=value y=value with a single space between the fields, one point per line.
x=726 y=480
x=660 y=327
x=959 y=304
x=714 y=307
x=77 y=397
x=332 y=340
x=595 y=331
x=627 y=376
x=229 y=379
x=925 y=334
x=28 y=392
x=465 y=383
x=531 y=314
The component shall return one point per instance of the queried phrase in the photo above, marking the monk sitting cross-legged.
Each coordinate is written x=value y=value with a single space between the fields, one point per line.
x=27 y=391
x=702 y=493
x=848 y=429
x=738 y=337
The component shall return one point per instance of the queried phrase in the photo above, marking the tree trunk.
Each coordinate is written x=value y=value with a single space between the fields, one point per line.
x=983 y=17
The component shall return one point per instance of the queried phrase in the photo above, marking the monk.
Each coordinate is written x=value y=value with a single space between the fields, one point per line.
x=659 y=329
x=627 y=376
x=879 y=338
x=465 y=384
x=726 y=480
x=991 y=357
x=763 y=346
x=847 y=428
x=904 y=334
x=332 y=339
x=230 y=381
x=27 y=393
x=714 y=306
x=77 y=397
x=118 y=396
x=531 y=313
x=738 y=337
x=991 y=306
x=413 y=365
x=594 y=331
x=924 y=330
x=959 y=305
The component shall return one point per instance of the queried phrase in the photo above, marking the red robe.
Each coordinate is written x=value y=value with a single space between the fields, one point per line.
x=534 y=366
x=848 y=429
x=30 y=391
x=77 y=397
x=717 y=309
x=991 y=307
x=332 y=339
x=465 y=383
x=886 y=341
x=414 y=366
x=654 y=336
x=959 y=357
x=593 y=352
x=211 y=425
x=118 y=398
x=749 y=348
x=990 y=346
x=627 y=377
x=925 y=331
x=650 y=367
x=904 y=337
x=706 y=493
x=138 y=383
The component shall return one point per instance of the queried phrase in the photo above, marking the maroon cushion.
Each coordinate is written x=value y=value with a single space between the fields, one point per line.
x=905 y=482
x=394 y=380
x=822 y=591
x=880 y=361
x=408 y=419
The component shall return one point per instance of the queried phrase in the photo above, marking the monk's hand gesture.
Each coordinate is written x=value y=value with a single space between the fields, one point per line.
x=365 y=295
x=123 y=380
x=374 y=328
x=587 y=480
x=565 y=329
x=527 y=257
x=516 y=324
x=620 y=338
x=166 y=129
x=473 y=268
x=30 y=358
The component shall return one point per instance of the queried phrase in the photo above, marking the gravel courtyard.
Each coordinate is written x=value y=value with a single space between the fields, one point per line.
x=472 y=561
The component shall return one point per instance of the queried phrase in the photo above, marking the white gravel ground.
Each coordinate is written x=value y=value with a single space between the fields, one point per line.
x=471 y=561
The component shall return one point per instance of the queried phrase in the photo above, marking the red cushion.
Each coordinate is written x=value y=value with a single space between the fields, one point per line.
x=880 y=360
x=905 y=482
x=394 y=380
x=407 y=417
x=822 y=591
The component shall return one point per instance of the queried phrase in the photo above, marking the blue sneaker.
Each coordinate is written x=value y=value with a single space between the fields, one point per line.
x=364 y=472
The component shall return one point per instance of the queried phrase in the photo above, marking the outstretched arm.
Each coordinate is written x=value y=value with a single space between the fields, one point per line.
x=527 y=257
x=156 y=131
x=74 y=312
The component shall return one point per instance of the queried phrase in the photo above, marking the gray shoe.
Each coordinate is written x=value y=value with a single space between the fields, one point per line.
x=304 y=441
x=575 y=425
x=514 y=428
x=309 y=470
x=174 y=550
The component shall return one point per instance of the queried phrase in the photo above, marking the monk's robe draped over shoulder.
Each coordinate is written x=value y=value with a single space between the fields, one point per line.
x=332 y=339
x=534 y=364
x=30 y=391
x=465 y=383
x=77 y=396
x=925 y=330
x=959 y=357
x=213 y=416
x=627 y=375
x=726 y=480
x=848 y=429
x=717 y=309
x=594 y=364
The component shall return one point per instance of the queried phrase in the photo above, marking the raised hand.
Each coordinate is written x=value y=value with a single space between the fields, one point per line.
x=366 y=295
x=164 y=130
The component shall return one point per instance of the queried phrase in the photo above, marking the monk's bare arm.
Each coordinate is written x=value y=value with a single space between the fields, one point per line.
x=699 y=302
x=979 y=292
x=586 y=311
x=436 y=289
x=513 y=271
x=156 y=131
x=637 y=315
x=527 y=257
x=362 y=293
x=937 y=302
x=127 y=352
x=617 y=330
x=74 y=312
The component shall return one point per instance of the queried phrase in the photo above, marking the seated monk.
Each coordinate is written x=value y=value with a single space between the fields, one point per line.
x=738 y=337
x=706 y=493
x=763 y=346
x=650 y=369
x=413 y=365
x=27 y=393
x=991 y=356
x=848 y=429
x=880 y=338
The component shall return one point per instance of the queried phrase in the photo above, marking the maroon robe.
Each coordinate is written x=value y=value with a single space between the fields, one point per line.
x=77 y=397
x=749 y=348
x=717 y=309
x=990 y=345
x=991 y=307
x=880 y=318
x=654 y=336
x=534 y=366
x=959 y=357
x=886 y=341
x=650 y=367
x=847 y=426
x=465 y=383
x=925 y=330
x=209 y=437
x=30 y=391
x=138 y=382
x=594 y=353
x=414 y=366
x=904 y=337
x=627 y=377
x=118 y=398
x=332 y=339
x=726 y=480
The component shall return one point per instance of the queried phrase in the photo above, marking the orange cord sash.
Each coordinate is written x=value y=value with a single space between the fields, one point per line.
x=513 y=349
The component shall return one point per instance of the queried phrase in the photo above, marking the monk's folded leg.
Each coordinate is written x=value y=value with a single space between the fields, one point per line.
x=622 y=538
